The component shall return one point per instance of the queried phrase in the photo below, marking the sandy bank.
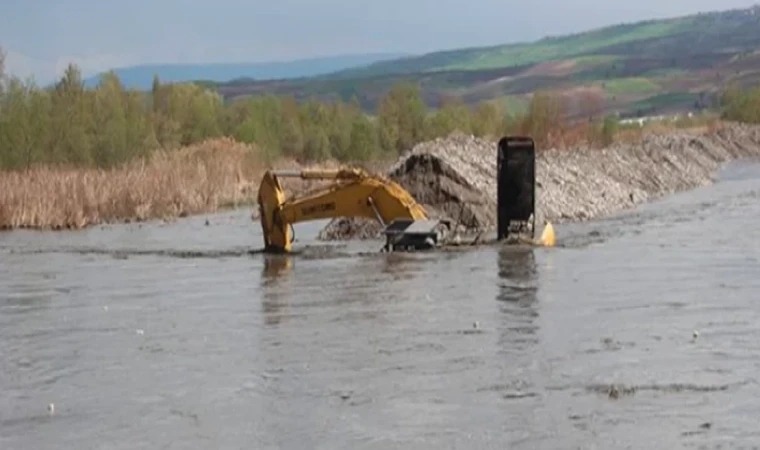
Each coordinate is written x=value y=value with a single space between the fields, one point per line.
x=455 y=177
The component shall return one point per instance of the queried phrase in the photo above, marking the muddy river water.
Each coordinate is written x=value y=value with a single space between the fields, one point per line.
x=175 y=337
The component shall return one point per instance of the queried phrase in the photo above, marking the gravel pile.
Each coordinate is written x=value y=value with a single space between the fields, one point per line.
x=584 y=184
x=455 y=177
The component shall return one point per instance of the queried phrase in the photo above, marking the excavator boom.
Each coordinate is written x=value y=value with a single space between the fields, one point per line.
x=355 y=193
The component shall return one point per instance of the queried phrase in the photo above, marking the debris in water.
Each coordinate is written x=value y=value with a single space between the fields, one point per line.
x=475 y=329
x=51 y=408
x=519 y=395
x=694 y=335
x=140 y=331
x=613 y=392
x=702 y=427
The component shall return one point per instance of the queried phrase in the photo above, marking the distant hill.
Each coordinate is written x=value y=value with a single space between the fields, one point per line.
x=636 y=68
x=141 y=77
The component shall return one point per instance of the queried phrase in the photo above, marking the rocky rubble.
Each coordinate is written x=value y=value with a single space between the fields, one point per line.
x=455 y=177
x=585 y=184
x=452 y=178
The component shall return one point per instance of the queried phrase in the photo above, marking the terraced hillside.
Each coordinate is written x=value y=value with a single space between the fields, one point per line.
x=642 y=68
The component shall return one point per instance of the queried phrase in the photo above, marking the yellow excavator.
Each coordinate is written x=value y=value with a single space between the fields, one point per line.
x=354 y=193
x=357 y=193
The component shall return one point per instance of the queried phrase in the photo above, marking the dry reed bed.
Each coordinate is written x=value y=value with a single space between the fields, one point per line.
x=202 y=178
x=196 y=179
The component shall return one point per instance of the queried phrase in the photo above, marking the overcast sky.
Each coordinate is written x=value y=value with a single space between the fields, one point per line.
x=41 y=36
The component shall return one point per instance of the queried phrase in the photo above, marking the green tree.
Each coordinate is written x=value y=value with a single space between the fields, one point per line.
x=365 y=142
x=156 y=94
x=453 y=116
x=16 y=133
x=487 y=120
x=610 y=128
x=740 y=104
x=317 y=144
x=292 y=129
x=545 y=117
x=71 y=120
x=109 y=141
x=401 y=118
x=140 y=135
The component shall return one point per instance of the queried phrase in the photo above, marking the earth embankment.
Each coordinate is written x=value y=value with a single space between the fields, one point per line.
x=455 y=177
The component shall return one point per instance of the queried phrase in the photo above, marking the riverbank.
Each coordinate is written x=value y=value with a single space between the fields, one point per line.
x=200 y=178
x=455 y=177
x=452 y=177
x=208 y=177
x=586 y=184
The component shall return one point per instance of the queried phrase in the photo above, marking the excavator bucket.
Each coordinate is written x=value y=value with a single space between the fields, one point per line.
x=516 y=186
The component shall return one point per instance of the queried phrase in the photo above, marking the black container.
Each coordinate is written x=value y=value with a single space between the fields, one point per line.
x=516 y=198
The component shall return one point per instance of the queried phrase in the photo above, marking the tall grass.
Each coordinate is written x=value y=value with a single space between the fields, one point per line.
x=196 y=179
x=206 y=177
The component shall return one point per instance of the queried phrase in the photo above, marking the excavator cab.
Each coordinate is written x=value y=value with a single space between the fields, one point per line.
x=516 y=200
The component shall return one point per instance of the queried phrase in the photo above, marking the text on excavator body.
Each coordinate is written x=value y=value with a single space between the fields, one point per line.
x=322 y=207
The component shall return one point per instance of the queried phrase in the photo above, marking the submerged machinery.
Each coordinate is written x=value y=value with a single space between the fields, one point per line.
x=353 y=193
x=357 y=193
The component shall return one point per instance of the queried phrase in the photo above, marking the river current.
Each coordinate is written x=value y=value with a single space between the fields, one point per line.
x=637 y=331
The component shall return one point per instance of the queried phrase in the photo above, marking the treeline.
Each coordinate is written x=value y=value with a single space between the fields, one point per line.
x=69 y=125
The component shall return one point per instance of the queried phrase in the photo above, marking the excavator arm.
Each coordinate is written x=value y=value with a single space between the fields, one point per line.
x=355 y=193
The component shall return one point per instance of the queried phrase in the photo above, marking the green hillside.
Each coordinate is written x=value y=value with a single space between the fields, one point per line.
x=638 y=68
x=514 y=55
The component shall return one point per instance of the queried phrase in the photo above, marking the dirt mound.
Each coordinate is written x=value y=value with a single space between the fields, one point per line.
x=455 y=177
